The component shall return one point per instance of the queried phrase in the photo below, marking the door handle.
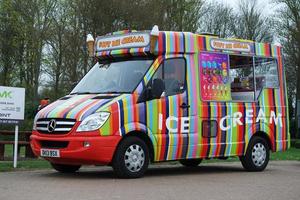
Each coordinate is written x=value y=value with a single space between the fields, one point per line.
x=184 y=106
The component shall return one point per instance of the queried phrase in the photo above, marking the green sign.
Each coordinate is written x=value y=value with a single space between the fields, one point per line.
x=5 y=94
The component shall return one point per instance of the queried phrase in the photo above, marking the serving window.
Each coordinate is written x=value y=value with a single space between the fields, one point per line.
x=241 y=77
x=266 y=74
x=236 y=77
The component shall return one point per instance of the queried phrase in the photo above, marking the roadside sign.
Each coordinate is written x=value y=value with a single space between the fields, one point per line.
x=12 y=105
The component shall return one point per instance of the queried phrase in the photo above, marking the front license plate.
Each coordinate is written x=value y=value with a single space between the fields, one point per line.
x=50 y=153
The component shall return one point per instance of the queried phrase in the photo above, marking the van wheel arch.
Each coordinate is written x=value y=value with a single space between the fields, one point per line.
x=265 y=136
x=143 y=136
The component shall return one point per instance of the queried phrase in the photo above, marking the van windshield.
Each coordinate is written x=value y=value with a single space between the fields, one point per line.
x=113 y=77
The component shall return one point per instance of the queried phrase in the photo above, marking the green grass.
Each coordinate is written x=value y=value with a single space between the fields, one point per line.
x=24 y=165
x=291 y=154
x=9 y=151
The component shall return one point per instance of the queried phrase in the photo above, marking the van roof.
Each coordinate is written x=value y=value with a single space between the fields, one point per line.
x=137 y=43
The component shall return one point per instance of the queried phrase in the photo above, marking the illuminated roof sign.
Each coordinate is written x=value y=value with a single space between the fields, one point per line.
x=130 y=40
x=231 y=45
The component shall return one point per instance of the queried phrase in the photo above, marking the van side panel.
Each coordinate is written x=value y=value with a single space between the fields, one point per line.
x=144 y=117
x=235 y=123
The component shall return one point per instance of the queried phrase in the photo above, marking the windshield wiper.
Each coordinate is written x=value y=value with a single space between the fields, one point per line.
x=105 y=92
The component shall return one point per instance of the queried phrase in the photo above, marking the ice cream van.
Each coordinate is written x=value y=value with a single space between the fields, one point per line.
x=168 y=96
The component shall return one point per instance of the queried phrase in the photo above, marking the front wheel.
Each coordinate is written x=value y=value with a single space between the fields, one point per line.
x=257 y=155
x=190 y=162
x=131 y=159
x=65 y=168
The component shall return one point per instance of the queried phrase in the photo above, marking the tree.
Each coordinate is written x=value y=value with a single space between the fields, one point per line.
x=289 y=29
x=10 y=35
x=251 y=24
x=57 y=49
x=36 y=18
x=217 y=19
x=181 y=15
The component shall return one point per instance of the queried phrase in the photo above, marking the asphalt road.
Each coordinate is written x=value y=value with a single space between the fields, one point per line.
x=281 y=180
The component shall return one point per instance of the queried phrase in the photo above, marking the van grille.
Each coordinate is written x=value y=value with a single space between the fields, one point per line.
x=54 y=126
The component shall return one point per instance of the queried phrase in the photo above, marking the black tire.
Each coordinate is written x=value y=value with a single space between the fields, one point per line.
x=252 y=161
x=65 y=168
x=124 y=163
x=190 y=162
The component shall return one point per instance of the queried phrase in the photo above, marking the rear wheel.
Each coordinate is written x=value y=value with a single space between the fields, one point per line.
x=257 y=155
x=131 y=159
x=65 y=168
x=190 y=162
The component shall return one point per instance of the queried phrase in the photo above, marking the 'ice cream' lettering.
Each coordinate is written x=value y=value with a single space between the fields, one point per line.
x=261 y=117
x=172 y=123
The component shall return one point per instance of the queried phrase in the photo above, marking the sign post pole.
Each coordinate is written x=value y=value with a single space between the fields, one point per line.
x=297 y=119
x=16 y=145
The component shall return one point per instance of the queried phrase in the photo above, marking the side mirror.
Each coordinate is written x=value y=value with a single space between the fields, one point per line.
x=153 y=92
x=146 y=95
x=158 y=87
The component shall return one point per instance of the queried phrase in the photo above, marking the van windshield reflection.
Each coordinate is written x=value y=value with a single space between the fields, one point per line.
x=113 y=77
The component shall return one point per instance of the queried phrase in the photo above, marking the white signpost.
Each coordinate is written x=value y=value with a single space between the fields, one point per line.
x=298 y=119
x=12 y=106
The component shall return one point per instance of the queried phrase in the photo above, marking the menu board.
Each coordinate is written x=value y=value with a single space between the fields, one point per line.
x=214 y=76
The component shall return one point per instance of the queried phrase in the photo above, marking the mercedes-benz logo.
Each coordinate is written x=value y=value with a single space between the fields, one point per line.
x=51 y=125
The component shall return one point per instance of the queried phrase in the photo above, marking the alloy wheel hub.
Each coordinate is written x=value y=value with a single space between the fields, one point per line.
x=134 y=158
x=259 y=154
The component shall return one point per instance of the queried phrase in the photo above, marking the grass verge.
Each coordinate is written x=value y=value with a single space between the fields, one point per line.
x=291 y=154
x=24 y=165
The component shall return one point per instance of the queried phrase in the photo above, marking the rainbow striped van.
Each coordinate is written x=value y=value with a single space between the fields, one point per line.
x=163 y=96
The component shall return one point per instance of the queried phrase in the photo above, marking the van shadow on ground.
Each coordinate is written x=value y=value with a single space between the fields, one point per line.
x=153 y=171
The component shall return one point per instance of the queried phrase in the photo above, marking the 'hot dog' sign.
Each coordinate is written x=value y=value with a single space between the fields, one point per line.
x=131 y=40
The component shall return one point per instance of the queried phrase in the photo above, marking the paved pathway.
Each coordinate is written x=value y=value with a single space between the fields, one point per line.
x=281 y=180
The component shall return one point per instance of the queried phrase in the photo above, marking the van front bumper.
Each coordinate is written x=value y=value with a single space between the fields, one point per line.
x=100 y=150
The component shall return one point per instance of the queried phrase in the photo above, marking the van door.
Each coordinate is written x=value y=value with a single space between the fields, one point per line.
x=167 y=109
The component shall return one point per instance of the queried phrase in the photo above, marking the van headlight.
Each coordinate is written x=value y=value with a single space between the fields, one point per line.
x=93 y=122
